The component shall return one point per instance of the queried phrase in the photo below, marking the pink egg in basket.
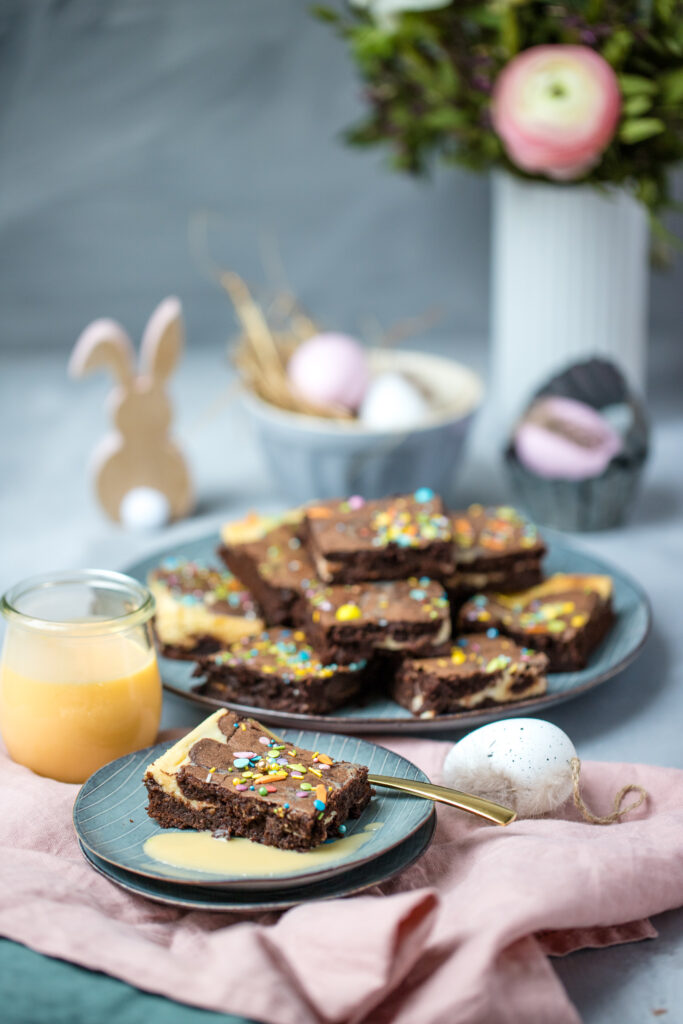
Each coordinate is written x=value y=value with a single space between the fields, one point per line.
x=330 y=369
x=561 y=438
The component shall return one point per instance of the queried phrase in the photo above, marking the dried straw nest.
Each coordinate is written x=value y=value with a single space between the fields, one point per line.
x=262 y=352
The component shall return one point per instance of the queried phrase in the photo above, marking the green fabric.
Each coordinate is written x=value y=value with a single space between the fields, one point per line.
x=36 y=989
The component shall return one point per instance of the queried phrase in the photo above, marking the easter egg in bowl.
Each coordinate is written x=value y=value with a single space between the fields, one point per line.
x=412 y=433
x=330 y=369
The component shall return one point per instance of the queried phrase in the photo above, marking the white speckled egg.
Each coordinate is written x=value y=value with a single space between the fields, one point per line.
x=392 y=402
x=523 y=763
x=144 y=508
x=330 y=369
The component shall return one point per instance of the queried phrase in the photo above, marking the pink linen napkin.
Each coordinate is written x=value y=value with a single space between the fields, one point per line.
x=459 y=938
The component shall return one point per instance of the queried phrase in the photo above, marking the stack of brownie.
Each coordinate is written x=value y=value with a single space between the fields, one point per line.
x=448 y=610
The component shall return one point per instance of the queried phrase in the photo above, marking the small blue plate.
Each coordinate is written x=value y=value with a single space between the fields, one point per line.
x=350 y=883
x=382 y=715
x=111 y=819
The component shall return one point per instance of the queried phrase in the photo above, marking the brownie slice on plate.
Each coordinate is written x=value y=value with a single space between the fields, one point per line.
x=352 y=540
x=566 y=617
x=495 y=548
x=230 y=775
x=479 y=671
x=280 y=671
x=268 y=555
x=199 y=609
x=349 y=622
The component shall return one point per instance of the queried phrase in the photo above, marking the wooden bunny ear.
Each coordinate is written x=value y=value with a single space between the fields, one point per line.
x=103 y=344
x=162 y=342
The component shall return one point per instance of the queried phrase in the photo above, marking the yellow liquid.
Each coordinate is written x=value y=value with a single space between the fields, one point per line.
x=201 y=851
x=70 y=705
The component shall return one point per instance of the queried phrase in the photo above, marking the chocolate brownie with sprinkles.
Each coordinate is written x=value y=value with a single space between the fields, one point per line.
x=199 y=609
x=353 y=540
x=567 y=616
x=269 y=556
x=479 y=671
x=349 y=622
x=495 y=548
x=230 y=776
x=280 y=671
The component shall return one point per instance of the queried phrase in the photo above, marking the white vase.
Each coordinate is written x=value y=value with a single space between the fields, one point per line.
x=569 y=281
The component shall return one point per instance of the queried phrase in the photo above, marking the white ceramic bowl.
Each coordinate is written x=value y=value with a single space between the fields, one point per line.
x=313 y=457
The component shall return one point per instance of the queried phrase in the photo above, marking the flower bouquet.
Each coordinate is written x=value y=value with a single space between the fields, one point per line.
x=579 y=108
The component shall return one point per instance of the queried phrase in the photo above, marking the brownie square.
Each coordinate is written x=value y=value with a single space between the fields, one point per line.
x=229 y=776
x=268 y=555
x=566 y=617
x=352 y=541
x=280 y=671
x=349 y=622
x=479 y=671
x=495 y=548
x=199 y=609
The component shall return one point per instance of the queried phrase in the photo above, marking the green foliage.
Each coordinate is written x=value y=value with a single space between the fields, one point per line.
x=428 y=78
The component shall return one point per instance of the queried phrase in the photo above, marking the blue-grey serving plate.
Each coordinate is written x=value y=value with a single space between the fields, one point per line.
x=111 y=820
x=353 y=881
x=381 y=715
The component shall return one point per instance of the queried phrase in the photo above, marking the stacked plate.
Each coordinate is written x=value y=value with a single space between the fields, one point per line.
x=112 y=825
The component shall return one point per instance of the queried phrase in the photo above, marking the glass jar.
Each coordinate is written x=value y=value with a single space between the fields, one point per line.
x=79 y=681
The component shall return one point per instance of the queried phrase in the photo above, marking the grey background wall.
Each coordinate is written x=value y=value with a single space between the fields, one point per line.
x=121 y=120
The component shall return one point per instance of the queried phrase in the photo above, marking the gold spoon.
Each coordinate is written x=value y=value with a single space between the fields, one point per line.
x=495 y=813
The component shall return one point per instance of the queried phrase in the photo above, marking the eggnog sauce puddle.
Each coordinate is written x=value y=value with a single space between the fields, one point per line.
x=201 y=851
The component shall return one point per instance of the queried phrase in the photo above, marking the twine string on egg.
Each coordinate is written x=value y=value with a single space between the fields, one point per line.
x=618 y=812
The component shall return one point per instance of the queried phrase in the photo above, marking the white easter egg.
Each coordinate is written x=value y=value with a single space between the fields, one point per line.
x=330 y=369
x=144 y=508
x=524 y=763
x=392 y=402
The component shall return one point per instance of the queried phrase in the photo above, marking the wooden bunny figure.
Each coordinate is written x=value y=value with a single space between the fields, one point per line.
x=139 y=452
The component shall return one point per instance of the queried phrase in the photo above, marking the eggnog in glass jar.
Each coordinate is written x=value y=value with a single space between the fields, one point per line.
x=79 y=681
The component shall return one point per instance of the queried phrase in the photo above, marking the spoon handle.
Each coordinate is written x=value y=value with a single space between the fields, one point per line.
x=496 y=813
x=442 y=794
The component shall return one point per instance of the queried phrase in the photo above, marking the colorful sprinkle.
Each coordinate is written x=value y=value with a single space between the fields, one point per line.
x=193 y=582
x=347 y=612
x=283 y=652
x=423 y=495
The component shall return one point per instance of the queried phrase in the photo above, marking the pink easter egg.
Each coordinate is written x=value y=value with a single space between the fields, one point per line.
x=563 y=439
x=330 y=369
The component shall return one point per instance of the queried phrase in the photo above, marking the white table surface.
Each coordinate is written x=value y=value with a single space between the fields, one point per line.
x=49 y=519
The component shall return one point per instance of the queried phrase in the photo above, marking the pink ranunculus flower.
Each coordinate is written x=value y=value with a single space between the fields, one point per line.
x=555 y=109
